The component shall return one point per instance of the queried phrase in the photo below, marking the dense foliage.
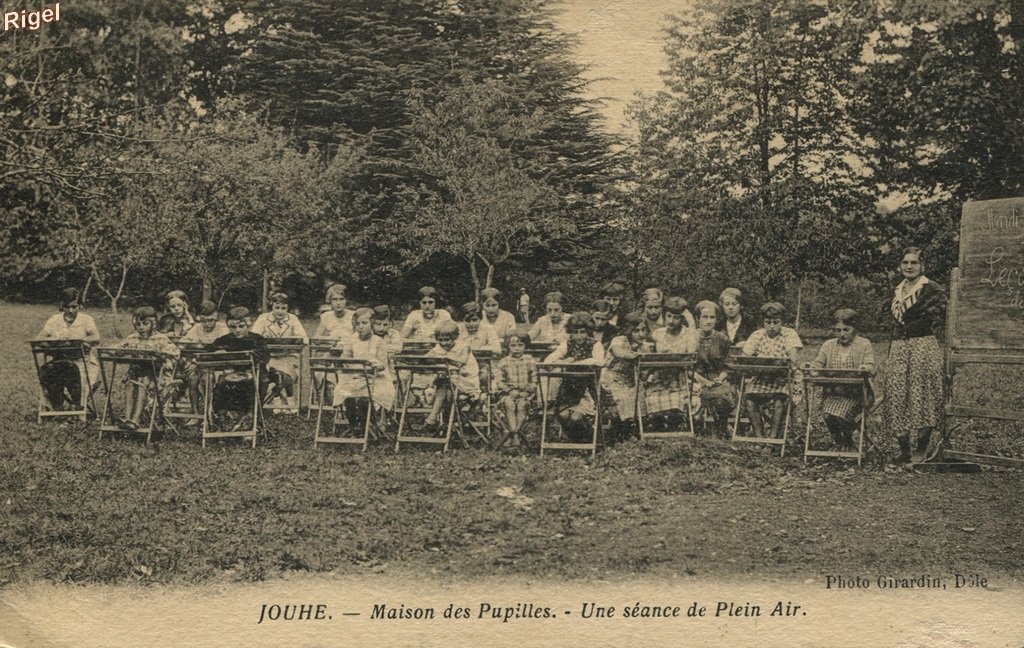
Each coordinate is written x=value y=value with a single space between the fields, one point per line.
x=213 y=143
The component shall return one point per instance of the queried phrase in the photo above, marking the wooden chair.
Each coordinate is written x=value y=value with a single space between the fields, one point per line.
x=319 y=348
x=683 y=364
x=178 y=406
x=341 y=431
x=747 y=367
x=284 y=347
x=815 y=381
x=150 y=365
x=73 y=352
x=407 y=368
x=225 y=363
x=547 y=373
x=480 y=419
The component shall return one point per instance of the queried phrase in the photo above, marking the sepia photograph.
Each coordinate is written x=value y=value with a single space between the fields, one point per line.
x=511 y=323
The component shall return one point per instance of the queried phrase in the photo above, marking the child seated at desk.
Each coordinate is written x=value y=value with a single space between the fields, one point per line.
x=575 y=399
x=139 y=380
x=772 y=341
x=515 y=381
x=841 y=404
x=667 y=393
x=207 y=329
x=283 y=367
x=711 y=378
x=619 y=376
x=234 y=392
x=465 y=376
x=351 y=391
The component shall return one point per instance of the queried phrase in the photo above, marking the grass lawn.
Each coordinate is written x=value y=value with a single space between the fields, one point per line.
x=74 y=508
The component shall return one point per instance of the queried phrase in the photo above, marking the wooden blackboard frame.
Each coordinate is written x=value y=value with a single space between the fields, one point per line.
x=980 y=345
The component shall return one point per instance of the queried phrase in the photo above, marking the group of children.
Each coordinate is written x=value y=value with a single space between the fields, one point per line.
x=605 y=336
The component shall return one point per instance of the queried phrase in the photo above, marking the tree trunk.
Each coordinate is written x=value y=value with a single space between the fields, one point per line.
x=476 y=278
x=265 y=292
x=490 y=273
x=85 y=290
x=799 y=303
x=120 y=288
x=207 y=285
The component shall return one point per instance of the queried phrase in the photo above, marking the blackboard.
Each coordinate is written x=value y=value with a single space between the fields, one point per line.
x=990 y=305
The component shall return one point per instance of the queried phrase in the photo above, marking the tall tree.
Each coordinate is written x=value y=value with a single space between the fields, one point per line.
x=745 y=161
x=483 y=200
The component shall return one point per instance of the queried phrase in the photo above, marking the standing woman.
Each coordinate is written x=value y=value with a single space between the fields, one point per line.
x=913 y=372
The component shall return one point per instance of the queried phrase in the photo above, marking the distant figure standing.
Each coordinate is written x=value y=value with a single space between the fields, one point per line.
x=524 y=305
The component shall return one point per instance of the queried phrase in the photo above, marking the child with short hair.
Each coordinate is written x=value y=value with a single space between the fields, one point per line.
x=619 y=376
x=575 y=399
x=717 y=395
x=515 y=381
x=335 y=322
x=772 y=341
x=666 y=392
x=841 y=404
x=60 y=375
x=479 y=335
x=351 y=391
x=177 y=306
x=207 y=329
x=736 y=327
x=603 y=329
x=380 y=321
x=234 y=391
x=166 y=325
x=465 y=376
x=550 y=327
x=139 y=382
x=422 y=323
x=612 y=293
x=282 y=367
x=502 y=321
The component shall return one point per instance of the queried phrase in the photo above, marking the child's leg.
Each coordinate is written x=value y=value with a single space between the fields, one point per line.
x=195 y=395
x=441 y=395
x=129 y=399
x=778 y=415
x=356 y=412
x=836 y=427
x=141 y=388
x=754 y=414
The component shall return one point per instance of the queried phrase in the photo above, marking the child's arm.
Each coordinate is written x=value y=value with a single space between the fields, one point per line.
x=619 y=348
x=300 y=330
x=868 y=361
x=597 y=356
x=491 y=341
x=821 y=360
x=410 y=324
x=535 y=331
x=751 y=344
x=92 y=334
x=558 y=355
